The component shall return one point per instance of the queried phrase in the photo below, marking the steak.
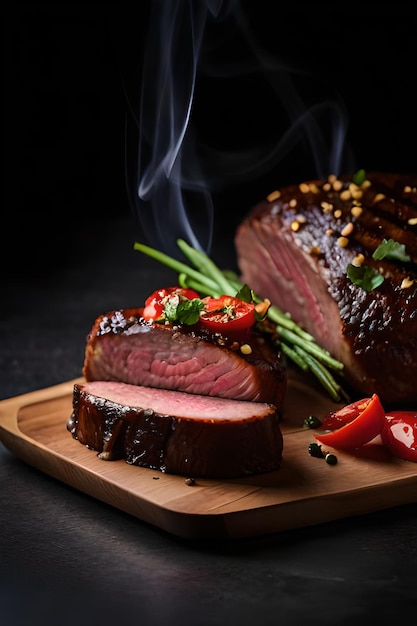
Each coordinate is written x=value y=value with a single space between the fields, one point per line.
x=123 y=347
x=170 y=432
x=295 y=248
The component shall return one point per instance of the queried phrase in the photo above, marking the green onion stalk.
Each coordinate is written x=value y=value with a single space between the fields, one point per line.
x=205 y=277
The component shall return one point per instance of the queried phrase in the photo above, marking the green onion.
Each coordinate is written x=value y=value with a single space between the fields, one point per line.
x=206 y=267
x=207 y=279
x=176 y=265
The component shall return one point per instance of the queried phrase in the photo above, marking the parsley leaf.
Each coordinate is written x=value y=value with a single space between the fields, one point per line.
x=183 y=311
x=390 y=249
x=245 y=293
x=364 y=276
x=359 y=177
x=367 y=277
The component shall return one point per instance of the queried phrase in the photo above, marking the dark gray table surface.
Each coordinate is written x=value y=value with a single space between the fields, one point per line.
x=69 y=559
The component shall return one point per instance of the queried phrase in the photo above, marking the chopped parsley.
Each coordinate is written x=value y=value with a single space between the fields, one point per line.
x=359 y=177
x=369 y=278
x=364 y=276
x=183 y=311
x=245 y=293
x=390 y=249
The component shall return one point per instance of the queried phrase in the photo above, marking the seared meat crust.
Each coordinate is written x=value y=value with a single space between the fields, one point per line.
x=295 y=247
x=169 y=431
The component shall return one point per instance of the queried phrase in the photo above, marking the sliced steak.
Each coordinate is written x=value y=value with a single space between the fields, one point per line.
x=295 y=247
x=123 y=347
x=173 y=432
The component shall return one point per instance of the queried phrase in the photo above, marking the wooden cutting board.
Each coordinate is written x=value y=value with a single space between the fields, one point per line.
x=304 y=492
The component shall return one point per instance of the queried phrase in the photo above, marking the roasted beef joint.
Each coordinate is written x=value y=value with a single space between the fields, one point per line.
x=312 y=250
x=123 y=347
x=173 y=432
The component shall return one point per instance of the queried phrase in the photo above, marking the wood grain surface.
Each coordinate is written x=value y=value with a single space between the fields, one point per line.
x=305 y=491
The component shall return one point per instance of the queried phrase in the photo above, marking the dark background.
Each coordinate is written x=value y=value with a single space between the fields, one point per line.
x=71 y=93
x=71 y=90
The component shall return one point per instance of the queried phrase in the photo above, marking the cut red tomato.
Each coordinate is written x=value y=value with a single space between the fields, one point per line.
x=364 y=420
x=155 y=303
x=336 y=419
x=399 y=434
x=227 y=314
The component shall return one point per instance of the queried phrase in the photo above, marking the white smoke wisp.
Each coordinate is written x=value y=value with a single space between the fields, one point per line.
x=170 y=200
x=177 y=172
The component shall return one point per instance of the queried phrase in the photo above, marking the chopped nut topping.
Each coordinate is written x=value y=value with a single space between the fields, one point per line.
x=245 y=349
x=337 y=213
x=412 y=221
x=326 y=187
x=262 y=307
x=358 y=260
x=357 y=194
x=314 y=188
x=347 y=229
x=295 y=226
x=342 y=242
x=293 y=203
x=356 y=211
x=345 y=194
x=274 y=195
x=366 y=183
x=378 y=198
x=407 y=282
x=304 y=188
x=326 y=206
x=301 y=218
x=337 y=185
x=331 y=178
x=407 y=189
x=315 y=251
x=329 y=231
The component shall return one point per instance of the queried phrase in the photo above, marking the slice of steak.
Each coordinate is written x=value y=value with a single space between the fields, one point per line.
x=295 y=248
x=173 y=432
x=123 y=347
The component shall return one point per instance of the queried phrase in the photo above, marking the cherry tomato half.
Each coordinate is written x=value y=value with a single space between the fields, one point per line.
x=399 y=434
x=367 y=424
x=155 y=303
x=227 y=314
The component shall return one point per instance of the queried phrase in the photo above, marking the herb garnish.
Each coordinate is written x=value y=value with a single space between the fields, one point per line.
x=390 y=249
x=364 y=276
x=183 y=311
x=359 y=177
x=369 y=278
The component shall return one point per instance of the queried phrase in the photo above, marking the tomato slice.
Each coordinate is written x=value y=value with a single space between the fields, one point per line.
x=367 y=422
x=399 y=434
x=155 y=303
x=227 y=314
x=341 y=417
